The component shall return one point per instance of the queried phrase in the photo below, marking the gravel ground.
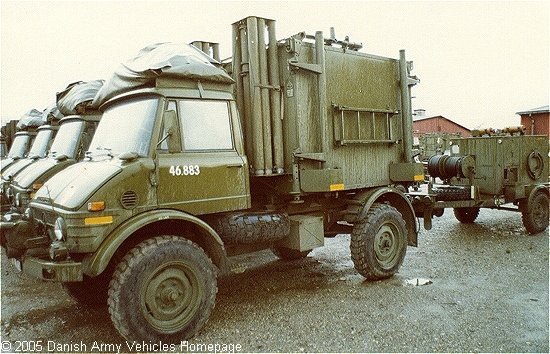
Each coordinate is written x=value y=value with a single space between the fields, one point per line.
x=480 y=287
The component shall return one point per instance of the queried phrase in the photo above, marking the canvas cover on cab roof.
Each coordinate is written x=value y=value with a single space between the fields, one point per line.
x=162 y=59
x=78 y=96
x=32 y=118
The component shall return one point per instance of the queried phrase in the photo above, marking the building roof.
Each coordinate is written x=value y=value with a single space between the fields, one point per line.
x=435 y=117
x=543 y=109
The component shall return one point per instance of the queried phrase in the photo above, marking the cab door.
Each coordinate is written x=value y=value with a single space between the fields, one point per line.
x=201 y=167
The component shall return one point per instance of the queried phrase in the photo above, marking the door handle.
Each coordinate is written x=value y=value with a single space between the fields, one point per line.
x=240 y=164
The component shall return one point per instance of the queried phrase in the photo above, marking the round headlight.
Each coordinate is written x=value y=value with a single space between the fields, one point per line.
x=60 y=228
x=18 y=200
x=9 y=192
x=28 y=214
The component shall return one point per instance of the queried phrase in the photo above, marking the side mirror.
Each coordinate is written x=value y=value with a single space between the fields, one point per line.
x=171 y=130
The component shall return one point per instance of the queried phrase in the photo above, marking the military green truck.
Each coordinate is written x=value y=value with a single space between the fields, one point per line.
x=189 y=166
x=69 y=145
x=19 y=136
x=45 y=135
x=497 y=169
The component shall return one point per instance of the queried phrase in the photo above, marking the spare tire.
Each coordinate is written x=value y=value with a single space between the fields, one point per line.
x=450 y=193
x=245 y=228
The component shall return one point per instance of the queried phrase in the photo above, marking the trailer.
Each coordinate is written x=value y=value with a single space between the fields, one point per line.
x=502 y=169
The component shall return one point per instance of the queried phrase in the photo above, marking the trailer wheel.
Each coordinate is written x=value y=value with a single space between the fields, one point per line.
x=289 y=254
x=379 y=242
x=91 y=291
x=163 y=290
x=466 y=215
x=535 y=214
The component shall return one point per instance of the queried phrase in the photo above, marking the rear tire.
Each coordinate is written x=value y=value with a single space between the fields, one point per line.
x=163 y=290
x=379 y=242
x=535 y=214
x=466 y=215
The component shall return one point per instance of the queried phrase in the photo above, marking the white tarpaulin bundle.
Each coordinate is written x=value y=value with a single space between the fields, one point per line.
x=33 y=118
x=78 y=96
x=162 y=59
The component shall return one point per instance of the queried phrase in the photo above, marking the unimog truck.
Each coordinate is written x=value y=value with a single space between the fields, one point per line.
x=45 y=135
x=20 y=135
x=71 y=142
x=497 y=169
x=189 y=166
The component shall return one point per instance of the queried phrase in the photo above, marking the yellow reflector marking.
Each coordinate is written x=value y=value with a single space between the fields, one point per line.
x=337 y=187
x=99 y=220
x=418 y=178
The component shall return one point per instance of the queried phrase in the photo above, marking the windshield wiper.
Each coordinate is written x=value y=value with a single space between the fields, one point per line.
x=107 y=152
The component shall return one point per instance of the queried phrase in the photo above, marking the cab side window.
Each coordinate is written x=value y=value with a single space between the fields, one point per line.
x=206 y=125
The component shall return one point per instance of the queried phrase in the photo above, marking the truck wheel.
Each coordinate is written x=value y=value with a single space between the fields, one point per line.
x=535 y=214
x=379 y=242
x=289 y=254
x=163 y=290
x=91 y=291
x=466 y=215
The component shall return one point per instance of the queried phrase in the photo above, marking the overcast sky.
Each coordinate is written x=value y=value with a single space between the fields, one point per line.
x=478 y=62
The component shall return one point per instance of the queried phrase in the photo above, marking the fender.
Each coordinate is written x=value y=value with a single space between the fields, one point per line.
x=95 y=263
x=397 y=199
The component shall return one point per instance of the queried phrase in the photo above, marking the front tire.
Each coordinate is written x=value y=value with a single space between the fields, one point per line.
x=379 y=242
x=163 y=290
x=535 y=214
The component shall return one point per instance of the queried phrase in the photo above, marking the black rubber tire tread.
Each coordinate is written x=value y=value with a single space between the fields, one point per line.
x=466 y=215
x=252 y=228
x=451 y=193
x=129 y=280
x=92 y=292
x=289 y=254
x=363 y=239
x=535 y=215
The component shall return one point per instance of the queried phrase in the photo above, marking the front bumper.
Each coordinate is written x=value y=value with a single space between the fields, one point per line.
x=65 y=271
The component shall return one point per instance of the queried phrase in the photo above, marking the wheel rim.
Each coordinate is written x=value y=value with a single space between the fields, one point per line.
x=171 y=296
x=387 y=245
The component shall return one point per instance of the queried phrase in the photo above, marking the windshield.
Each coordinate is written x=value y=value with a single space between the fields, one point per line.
x=126 y=127
x=66 y=139
x=19 y=146
x=41 y=143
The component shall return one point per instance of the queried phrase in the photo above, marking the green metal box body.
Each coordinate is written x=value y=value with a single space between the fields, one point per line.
x=505 y=162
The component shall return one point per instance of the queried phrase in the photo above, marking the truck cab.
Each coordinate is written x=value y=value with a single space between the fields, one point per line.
x=40 y=147
x=19 y=147
x=71 y=142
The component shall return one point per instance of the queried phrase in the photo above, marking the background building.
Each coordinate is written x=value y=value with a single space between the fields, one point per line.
x=536 y=121
x=436 y=124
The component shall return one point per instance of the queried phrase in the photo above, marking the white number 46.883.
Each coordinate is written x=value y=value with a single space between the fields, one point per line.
x=185 y=170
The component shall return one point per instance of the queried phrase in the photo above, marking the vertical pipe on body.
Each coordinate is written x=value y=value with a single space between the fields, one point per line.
x=255 y=93
x=406 y=115
x=322 y=91
x=266 y=116
x=276 y=117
